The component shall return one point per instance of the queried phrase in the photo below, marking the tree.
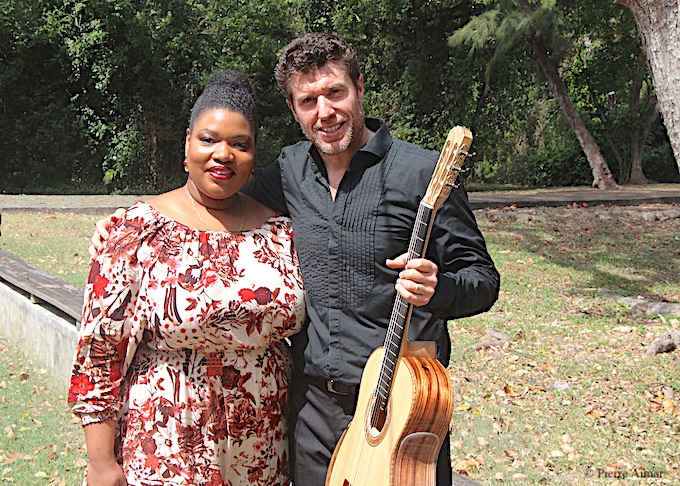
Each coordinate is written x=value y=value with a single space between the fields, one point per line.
x=138 y=65
x=658 y=23
x=43 y=147
x=538 y=26
x=608 y=80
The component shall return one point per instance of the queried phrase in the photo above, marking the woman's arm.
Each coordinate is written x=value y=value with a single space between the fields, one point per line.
x=102 y=468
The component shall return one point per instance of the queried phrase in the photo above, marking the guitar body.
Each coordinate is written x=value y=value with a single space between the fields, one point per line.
x=404 y=451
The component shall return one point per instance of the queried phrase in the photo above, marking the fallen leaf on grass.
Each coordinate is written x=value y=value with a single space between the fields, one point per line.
x=567 y=449
x=669 y=407
x=545 y=366
x=80 y=462
x=511 y=454
x=466 y=465
x=624 y=329
x=595 y=413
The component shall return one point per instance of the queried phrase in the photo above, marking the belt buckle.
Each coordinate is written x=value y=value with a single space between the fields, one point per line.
x=330 y=386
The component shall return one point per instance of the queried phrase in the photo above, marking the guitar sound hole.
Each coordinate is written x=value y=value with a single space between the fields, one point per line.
x=378 y=419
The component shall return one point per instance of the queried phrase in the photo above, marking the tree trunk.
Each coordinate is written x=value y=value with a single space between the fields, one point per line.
x=637 y=176
x=658 y=22
x=646 y=122
x=602 y=175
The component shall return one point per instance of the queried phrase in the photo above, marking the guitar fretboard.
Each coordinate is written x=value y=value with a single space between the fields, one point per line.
x=401 y=310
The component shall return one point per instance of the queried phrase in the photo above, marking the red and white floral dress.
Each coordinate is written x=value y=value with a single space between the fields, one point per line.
x=182 y=342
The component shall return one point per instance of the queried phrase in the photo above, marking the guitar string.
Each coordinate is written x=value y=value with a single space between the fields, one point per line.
x=412 y=253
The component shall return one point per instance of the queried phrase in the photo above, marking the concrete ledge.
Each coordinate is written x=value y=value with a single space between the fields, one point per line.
x=40 y=315
x=42 y=334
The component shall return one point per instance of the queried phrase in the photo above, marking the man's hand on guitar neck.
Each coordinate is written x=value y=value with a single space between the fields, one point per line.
x=417 y=280
x=101 y=232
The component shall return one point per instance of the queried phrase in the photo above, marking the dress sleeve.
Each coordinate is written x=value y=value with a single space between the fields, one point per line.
x=110 y=330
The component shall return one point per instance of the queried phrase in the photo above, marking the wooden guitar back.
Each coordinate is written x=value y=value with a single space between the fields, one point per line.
x=404 y=452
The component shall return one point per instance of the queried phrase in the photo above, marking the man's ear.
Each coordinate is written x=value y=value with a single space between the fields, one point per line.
x=292 y=110
x=360 y=87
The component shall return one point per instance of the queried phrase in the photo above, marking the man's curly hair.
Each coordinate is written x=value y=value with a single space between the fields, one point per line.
x=311 y=52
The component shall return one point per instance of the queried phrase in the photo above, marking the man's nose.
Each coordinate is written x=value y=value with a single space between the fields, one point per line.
x=325 y=107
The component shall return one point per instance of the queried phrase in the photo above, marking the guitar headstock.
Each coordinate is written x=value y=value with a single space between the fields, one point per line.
x=449 y=165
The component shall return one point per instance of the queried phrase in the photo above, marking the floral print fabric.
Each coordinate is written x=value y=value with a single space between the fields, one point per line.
x=182 y=342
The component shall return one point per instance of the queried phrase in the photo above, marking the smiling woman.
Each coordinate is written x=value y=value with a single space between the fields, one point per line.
x=182 y=343
x=220 y=155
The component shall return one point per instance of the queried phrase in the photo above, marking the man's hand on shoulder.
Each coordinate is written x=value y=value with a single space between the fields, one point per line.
x=101 y=232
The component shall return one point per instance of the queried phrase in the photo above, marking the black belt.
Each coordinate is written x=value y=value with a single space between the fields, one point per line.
x=332 y=386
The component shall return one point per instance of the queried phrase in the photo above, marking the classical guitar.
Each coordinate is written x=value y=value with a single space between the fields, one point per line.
x=405 y=398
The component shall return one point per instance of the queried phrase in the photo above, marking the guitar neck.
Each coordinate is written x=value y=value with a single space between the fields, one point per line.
x=401 y=310
x=442 y=181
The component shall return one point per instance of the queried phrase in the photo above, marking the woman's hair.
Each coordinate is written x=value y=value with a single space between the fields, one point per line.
x=231 y=90
x=311 y=52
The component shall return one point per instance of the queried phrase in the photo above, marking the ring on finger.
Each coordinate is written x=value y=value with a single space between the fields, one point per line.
x=417 y=291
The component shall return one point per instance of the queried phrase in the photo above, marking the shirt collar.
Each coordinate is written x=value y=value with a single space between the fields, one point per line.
x=381 y=141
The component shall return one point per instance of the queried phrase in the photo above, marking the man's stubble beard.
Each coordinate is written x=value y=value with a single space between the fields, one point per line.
x=356 y=127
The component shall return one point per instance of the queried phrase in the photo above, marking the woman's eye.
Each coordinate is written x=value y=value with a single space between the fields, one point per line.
x=242 y=145
x=206 y=140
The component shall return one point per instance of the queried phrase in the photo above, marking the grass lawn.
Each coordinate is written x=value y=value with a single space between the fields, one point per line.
x=40 y=443
x=569 y=399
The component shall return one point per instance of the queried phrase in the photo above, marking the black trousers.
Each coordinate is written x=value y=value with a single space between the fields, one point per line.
x=318 y=419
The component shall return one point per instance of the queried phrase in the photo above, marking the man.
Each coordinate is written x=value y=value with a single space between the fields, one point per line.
x=353 y=192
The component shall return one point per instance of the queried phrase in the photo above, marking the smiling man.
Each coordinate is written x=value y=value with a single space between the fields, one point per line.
x=353 y=192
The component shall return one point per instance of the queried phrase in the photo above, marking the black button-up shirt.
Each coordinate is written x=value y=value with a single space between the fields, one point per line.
x=342 y=245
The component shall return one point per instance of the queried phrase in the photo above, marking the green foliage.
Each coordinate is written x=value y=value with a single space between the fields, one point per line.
x=95 y=95
x=42 y=139
x=599 y=56
x=129 y=72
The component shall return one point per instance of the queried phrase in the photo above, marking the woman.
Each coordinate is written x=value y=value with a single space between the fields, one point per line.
x=181 y=369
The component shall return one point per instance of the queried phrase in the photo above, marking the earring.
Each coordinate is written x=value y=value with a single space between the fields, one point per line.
x=184 y=163
x=252 y=174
